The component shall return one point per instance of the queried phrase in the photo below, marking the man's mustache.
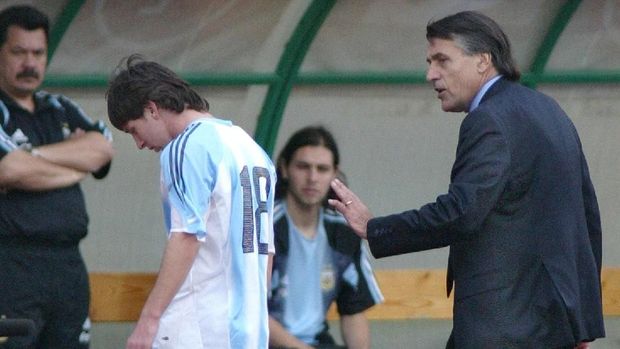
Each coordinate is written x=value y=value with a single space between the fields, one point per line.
x=28 y=73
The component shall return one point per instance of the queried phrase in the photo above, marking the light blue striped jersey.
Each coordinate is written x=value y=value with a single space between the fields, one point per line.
x=309 y=275
x=218 y=184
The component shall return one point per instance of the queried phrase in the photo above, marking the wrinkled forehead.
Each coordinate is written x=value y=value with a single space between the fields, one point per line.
x=438 y=48
x=445 y=44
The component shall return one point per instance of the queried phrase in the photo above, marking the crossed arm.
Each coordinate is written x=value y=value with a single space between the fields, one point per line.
x=55 y=165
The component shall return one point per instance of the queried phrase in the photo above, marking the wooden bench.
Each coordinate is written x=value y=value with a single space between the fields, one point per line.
x=409 y=294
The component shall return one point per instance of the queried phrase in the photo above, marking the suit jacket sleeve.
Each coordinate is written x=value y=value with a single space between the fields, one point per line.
x=478 y=178
x=593 y=219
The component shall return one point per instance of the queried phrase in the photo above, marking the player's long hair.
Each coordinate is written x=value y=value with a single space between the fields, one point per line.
x=307 y=136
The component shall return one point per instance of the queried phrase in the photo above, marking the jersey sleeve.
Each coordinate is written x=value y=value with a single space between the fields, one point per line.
x=6 y=143
x=77 y=118
x=189 y=174
x=360 y=289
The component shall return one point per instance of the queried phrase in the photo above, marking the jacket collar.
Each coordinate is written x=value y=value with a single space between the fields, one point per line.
x=497 y=87
x=41 y=100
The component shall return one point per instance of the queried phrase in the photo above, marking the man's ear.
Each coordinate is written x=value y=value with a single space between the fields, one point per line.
x=152 y=110
x=485 y=61
x=283 y=172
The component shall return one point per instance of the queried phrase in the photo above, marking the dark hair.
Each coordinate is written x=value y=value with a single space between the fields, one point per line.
x=477 y=33
x=25 y=17
x=136 y=81
x=309 y=135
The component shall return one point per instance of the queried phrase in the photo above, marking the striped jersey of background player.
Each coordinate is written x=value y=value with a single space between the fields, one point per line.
x=319 y=260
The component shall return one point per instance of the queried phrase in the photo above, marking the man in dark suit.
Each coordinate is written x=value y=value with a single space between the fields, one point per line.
x=520 y=216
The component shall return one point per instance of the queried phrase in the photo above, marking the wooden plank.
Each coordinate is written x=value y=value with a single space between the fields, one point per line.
x=119 y=296
x=610 y=280
x=412 y=293
x=409 y=294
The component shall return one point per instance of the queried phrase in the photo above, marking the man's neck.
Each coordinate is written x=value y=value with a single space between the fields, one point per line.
x=25 y=101
x=305 y=217
x=178 y=123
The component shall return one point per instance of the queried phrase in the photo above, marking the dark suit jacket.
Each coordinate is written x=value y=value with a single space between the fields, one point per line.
x=522 y=222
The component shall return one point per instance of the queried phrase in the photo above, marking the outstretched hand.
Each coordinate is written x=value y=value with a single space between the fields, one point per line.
x=351 y=207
